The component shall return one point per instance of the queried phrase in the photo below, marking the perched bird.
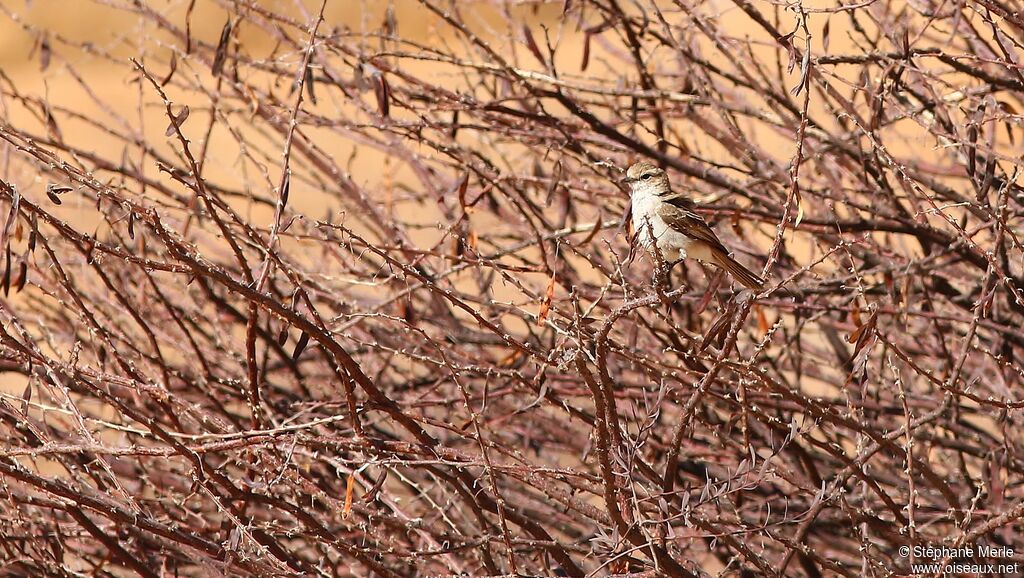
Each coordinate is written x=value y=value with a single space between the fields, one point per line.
x=667 y=217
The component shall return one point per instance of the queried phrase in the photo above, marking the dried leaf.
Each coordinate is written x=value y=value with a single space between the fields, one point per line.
x=383 y=93
x=300 y=346
x=545 y=305
x=287 y=224
x=374 y=491
x=986 y=183
x=972 y=147
x=57 y=189
x=222 y=49
x=510 y=359
x=585 y=61
x=454 y=125
x=308 y=81
x=26 y=398
x=33 y=234
x=861 y=334
x=90 y=248
x=390 y=22
x=825 y=35
x=867 y=88
x=407 y=311
x=532 y=44
x=709 y=293
x=593 y=232
x=173 y=69
x=51 y=125
x=22 y=276
x=131 y=226
x=177 y=121
x=285 y=189
x=719 y=327
x=556 y=178
x=45 y=53
x=349 y=490
x=7 y=270
x=805 y=66
x=463 y=187
x=1012 y=112
x=762 y=320
x=458 y=245
x=12 y=216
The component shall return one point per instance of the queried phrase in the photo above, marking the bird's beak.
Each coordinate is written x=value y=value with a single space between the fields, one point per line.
x=626 y=180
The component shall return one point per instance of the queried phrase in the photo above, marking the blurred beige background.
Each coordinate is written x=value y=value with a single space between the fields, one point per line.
x=97 y=80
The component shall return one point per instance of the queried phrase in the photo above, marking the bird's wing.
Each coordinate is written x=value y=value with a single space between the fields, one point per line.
x=678 y=213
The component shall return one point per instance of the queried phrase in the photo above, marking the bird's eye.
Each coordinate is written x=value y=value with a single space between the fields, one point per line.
x=647 y=176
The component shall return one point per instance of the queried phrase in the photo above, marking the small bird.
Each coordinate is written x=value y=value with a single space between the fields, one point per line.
x=677 y=229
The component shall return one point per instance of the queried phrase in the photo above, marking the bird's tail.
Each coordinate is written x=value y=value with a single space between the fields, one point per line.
x=739 y=272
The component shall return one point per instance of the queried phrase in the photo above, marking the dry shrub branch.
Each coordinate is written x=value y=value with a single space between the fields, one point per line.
x=334 y=300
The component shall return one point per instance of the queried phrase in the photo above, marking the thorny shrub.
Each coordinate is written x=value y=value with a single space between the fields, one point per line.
x=360 y=303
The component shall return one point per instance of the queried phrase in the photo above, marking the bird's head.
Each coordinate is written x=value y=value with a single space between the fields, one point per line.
x=643 y=177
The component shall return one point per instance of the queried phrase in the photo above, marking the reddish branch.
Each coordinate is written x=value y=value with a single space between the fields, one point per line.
x=435 y=355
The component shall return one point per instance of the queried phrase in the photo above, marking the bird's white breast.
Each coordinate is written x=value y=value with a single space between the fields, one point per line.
x=672 y=244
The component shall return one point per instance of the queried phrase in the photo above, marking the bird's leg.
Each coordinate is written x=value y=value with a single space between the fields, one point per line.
x=662 y=279
x=669 y=268
x=668 y=284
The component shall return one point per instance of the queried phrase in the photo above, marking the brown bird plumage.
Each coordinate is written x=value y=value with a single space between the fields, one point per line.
x=667 y=218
